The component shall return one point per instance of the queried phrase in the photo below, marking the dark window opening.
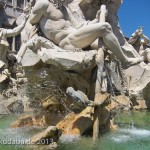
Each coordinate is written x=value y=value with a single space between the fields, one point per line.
x=9 y=2
x=20 y=3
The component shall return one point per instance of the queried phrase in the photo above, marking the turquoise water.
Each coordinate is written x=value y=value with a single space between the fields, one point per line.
x=133 y=134
x=9 y=136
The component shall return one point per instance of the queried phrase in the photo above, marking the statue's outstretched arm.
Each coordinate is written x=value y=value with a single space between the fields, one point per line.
x=17 y=30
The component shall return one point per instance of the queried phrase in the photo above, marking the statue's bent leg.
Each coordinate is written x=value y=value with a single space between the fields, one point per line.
x=84 y=36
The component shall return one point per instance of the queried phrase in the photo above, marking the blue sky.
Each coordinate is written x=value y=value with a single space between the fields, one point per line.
x=134 y=13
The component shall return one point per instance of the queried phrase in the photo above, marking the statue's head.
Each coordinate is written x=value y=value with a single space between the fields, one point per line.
x=70 y=91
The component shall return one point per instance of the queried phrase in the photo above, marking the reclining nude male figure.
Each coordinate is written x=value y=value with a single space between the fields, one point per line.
x=58 y=25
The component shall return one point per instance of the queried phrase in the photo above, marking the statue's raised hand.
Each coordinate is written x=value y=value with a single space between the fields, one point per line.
x=139 y=31
x=98 y=14
x=102 y=13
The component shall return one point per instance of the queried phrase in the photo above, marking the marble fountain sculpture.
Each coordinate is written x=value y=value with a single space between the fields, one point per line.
x=87 y=55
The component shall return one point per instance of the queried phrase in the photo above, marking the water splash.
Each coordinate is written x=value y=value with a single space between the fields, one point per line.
x=136 y=132
x=69 y=138
x=120 y=138
x=132 y=134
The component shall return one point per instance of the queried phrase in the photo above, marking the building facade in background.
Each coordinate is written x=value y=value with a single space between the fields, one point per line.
x=9 y=12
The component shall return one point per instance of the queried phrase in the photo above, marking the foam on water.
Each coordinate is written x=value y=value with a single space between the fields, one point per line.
x=125 y=135
x=137 y=132
x=23 y=133
x=69 y=138
x=120 y=138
